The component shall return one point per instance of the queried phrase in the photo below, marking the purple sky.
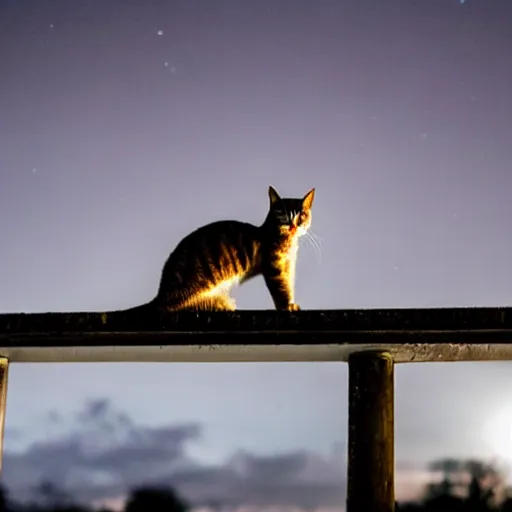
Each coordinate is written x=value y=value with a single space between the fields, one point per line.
x=126 y=124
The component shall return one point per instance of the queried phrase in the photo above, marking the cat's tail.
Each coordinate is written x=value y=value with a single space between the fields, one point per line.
x=144 y=309
x=150 y=306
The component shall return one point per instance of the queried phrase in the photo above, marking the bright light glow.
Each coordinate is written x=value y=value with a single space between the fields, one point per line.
x=498 y=434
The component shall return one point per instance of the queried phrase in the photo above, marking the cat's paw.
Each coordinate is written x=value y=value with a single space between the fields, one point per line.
x=293 y=307
x=230 y=304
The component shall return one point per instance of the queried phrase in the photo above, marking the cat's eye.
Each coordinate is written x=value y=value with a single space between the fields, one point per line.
x=302 y=218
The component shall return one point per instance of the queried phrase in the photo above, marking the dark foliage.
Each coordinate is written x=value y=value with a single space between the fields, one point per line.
x=154 y=499
x=456 y=494
x=475 y=493
x=157 y=500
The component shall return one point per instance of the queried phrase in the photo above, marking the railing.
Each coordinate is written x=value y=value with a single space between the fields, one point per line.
x=371 y=341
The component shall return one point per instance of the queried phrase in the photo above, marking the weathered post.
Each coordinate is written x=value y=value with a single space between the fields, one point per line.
x=4 y=369
x=370 y=485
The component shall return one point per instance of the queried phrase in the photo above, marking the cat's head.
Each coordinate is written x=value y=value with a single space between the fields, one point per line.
x=291 y=215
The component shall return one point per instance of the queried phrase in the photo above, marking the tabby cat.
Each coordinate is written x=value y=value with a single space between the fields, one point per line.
x=207 y=263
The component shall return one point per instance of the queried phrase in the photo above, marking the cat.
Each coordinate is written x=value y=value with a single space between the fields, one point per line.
x=207 y=263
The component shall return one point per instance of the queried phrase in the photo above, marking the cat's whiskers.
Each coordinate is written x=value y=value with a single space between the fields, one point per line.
x=316 y=243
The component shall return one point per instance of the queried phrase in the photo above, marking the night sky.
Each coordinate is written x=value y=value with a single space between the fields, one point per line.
x=126 y=124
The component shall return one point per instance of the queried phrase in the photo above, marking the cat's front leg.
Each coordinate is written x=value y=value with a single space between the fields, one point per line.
x=279 y=282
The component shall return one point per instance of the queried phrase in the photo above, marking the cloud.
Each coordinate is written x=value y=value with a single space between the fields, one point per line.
x=301 y=479
x=104 y=454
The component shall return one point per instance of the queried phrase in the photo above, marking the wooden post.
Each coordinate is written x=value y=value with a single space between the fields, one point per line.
x=4 y=369
x=370 y=482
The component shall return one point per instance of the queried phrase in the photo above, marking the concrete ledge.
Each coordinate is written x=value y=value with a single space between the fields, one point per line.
x=458 y=334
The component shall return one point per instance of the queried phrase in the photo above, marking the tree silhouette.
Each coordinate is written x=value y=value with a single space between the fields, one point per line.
x=479 y=498
x=506 y=506
x=444 y=503
x=155 y=499
x=466 y=486
x=3 y=500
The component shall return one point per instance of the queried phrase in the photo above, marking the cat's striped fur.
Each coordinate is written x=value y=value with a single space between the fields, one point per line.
x=200 y=272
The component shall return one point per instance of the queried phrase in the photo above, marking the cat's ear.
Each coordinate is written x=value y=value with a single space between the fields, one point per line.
x=307 y=202
x=274 y=196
